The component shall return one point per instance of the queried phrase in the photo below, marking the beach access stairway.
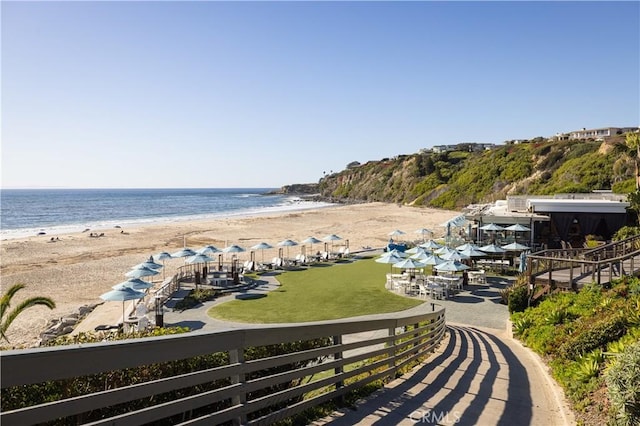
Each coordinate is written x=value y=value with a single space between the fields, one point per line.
x=572 y=268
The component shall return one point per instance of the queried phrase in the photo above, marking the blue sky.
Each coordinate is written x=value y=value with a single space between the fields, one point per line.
x=264 y=94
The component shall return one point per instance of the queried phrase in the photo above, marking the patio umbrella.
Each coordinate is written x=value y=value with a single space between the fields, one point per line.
x=233 y=249
x=142 y=271
x=396 y=233
x=416 y=250
x=492 y=248
x=185 y=252
x=467 y=246
x=149 y=264
x=423 y=232
x=396 y=253
x=287 y=243
x=122 y=295
x=472 y=252
x=162 y=256
x=517 y=228
x=207 y=250
x=389 y=258
x=262 y=247
x=451 y=266
x=433 y=260
x=199 y=258
x=443 y=250
x=515 y=247
x=492 y=227
x=431 y=245
x=332 y=238
x=134 y=283
x=311 y=241
x=454 y=255
x=409 y=264
x=420 y=256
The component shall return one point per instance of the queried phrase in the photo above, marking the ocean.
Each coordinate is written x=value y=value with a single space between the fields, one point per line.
x=30 y=212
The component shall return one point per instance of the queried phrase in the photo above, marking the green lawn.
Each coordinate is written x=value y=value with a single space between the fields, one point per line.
x=320 y=293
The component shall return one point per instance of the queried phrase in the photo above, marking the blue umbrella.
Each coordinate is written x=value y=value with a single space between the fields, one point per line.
x=123 y=295
x=262 y=247
x=134 y=283
x=149 y=264
x=430 y=245
x=199 y=258
x=451 y=266
x=139 y=272
x=162 y=256
x=287 y=244
x=185 y=252
x=208 y=249
x=409 y=264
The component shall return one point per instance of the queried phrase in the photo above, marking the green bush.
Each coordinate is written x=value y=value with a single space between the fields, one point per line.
x=626 y=232
x=596 y=336
x=518 y=299
x=623 y=384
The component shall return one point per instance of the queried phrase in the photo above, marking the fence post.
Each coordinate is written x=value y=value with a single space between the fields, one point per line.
x=237 y=356
x=337 y=340
x=392 y=353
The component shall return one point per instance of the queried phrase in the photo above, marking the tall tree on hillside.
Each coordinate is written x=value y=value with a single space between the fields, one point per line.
x=7 y=317
x=632 y=139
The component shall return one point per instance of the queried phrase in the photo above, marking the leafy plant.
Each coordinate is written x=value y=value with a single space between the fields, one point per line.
x=518 y=299
x=521 y=325
x=622 y=380
x=7 y=317
x=555 y=317
x=588 y=368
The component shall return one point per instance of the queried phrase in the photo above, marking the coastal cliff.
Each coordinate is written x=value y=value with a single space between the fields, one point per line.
x=456 y=178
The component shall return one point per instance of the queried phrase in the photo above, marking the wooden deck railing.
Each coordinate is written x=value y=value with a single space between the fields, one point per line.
x=571 y=265
x=404 y=339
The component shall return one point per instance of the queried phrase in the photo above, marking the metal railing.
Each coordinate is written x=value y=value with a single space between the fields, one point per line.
x=386 y=344
x=568 y=266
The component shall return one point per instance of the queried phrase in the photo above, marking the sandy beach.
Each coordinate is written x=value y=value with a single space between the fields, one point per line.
x=77 y=269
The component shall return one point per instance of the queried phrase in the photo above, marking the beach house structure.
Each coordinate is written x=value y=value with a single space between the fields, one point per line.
x=554 y=220
x=602 y=133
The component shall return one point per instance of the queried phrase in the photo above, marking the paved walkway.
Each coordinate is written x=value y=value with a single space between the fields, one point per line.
x=478 y=376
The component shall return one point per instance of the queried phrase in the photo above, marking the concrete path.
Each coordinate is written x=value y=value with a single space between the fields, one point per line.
x=478 y=376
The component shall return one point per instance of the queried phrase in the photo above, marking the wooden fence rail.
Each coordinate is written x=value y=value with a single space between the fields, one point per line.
x=599 y=265
x=387 y=343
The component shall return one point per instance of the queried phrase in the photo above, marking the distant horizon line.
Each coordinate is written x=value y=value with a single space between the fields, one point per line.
x=131 y=188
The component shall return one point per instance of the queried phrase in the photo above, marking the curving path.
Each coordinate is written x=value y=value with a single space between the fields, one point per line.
x=478 y=376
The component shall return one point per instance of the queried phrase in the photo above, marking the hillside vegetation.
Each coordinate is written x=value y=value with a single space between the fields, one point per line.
x=457 y=178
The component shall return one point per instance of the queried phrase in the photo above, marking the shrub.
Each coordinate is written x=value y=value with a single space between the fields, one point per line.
x=518 y=299
x=626 y=232
x=556 y=317
x=590 y=365
x=622 y=380
x=521 y=325
x=597 y=336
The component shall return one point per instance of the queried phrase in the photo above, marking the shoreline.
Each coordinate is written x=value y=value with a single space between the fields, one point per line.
x=77 y=269
x=295 y=203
